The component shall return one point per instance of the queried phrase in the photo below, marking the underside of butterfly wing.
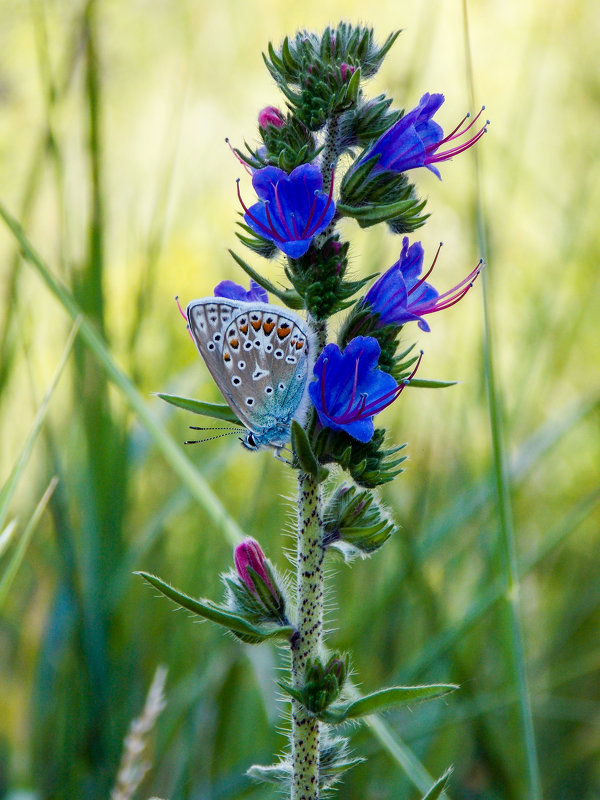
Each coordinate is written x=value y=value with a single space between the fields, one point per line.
x=260 y=357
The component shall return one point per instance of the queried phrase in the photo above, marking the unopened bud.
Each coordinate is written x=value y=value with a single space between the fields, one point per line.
x=270 y=116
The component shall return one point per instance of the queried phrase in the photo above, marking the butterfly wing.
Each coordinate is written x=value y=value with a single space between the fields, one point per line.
x=260 y=357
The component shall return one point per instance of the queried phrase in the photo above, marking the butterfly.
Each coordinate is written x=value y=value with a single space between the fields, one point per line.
x=260 y=356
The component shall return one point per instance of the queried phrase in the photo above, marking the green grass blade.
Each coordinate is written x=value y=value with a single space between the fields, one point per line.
x=9 y=487
x=163 y=441
x=19 y=554
x=507 y=535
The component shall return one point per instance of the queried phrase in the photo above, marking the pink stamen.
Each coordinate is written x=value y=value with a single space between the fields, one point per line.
x=455 y=134
x=239 y=158
x=184 y=315
x=310 y=216
x=256 y=221
x=181 y=311
x=280 y=210
x=469 y=279
x=329 y=197
x=428 y=273
x=274 y=232
x=456 y=150
x=396 y=392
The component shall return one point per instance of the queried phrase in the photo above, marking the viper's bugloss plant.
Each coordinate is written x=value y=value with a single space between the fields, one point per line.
x=313 y=401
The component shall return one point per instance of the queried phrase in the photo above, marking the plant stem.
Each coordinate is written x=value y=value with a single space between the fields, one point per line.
x=307 y=639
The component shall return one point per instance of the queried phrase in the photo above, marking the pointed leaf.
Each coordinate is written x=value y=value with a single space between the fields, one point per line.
x=438 y=787
x=222 y=616
x=304 y=453
x=424 y=383
x=214 y=410
x=385 y=699
x=291 y=298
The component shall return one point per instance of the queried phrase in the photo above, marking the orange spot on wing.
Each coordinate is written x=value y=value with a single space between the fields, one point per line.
x=299 y=345
x=268 y=327
x=226 y=357
x=255 y=324
x=283 y=331
x=244 y=328
x=234 y=343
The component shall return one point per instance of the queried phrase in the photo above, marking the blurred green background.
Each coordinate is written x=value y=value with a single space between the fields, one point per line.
x=113 y=116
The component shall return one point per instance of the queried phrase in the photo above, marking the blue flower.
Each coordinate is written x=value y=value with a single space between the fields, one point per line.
x=236 y=292
x=350 y=388
x=415 y=139
x=292 y=209
x=400 y=295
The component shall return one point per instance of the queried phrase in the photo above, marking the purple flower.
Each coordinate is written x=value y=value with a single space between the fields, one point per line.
x=414 y=140
x=400 y=296
x=249 y=554
x=350 y=388
x=236 y=292
x=270 y=116
x=292 y=209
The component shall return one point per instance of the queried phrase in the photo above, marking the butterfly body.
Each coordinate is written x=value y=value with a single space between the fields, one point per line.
x=260 y=356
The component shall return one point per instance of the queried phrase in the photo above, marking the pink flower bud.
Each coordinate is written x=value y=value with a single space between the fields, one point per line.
x=270 y=116
x=248 y=554
x=347 y=71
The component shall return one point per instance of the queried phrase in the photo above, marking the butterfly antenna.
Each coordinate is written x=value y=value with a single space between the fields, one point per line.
x=210 y=438
x=220 y=428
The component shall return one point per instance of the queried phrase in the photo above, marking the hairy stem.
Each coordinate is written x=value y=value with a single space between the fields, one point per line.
x=305 y=646
x=307 y=640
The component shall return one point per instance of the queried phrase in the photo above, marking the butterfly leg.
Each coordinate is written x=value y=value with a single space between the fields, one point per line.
x=277 y=454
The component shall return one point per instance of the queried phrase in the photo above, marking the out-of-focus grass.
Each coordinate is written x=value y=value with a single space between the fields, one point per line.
x=112 y=157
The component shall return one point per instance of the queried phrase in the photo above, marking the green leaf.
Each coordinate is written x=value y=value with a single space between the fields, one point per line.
x=288 y=296
x=439 y=786
x=385 y=699
x=209 y=610
x=304 y=453
x=214 y=410
x=21 y=548
x=8 y=489
x=424 y=383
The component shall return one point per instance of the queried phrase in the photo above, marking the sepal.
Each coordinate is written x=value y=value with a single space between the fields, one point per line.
x=368 y=463
x=371 y=197
x=234 y=622
x=322 y=684
x=367 y=122
x=383 y=700
x=258 y=244
x=318 y=277
x=354 y=523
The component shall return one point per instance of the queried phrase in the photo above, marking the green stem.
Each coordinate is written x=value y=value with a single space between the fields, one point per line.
x=307 y=639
